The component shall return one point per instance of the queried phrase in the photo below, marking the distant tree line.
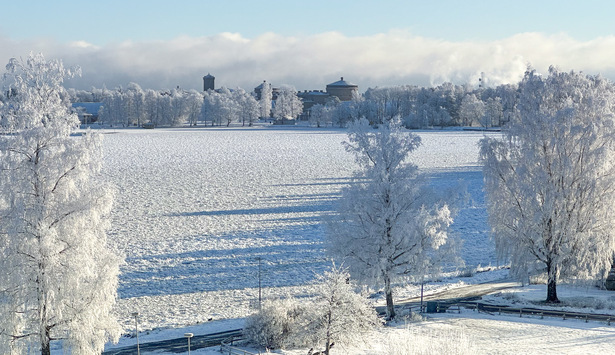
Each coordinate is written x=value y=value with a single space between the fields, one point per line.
x=423 y=107
x=133 y=106
x=445 y=105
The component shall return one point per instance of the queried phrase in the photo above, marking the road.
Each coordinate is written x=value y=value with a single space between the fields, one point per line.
x=464 y=292
x=179 y=345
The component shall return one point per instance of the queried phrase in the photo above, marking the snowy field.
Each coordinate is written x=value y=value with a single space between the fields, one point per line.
x=196 y=207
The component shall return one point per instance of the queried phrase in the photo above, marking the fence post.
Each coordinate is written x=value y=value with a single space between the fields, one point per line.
x=520 y=312
x=564 y=316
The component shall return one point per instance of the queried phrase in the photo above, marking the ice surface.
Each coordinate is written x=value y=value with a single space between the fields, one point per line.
x=196 y=207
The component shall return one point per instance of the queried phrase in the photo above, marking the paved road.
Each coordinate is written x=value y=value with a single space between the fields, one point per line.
x=464 y=292
x=179 y=345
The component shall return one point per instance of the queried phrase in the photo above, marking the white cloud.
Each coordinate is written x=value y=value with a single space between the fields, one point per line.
x=311 y=62
x=82 y=44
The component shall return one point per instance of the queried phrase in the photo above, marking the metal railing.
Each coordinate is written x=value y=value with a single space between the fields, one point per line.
x=226 y=347
x=524 y=311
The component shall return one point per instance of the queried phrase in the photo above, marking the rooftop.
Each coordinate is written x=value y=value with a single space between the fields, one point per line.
x=342 y=82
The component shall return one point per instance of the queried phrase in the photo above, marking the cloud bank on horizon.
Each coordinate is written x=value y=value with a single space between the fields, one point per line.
x=312 y=61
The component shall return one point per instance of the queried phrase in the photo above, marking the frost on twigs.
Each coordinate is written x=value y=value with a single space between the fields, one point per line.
x=339 y=315
x=277 y=324
x=389 y=224
x=58 y=278
x=335 y=315
x=550 y=180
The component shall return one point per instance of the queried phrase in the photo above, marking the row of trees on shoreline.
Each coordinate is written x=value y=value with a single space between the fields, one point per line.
x=418 y=107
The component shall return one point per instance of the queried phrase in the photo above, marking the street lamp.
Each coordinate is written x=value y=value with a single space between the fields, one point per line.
x=422 y=283
x=188 y=335
x=259 y=282
x=136 y=315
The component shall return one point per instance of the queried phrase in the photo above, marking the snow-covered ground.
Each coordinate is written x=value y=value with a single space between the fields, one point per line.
x=196 y=208
x=468 y=332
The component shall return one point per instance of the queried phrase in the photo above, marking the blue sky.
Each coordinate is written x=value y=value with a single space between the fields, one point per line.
x=100 y=22
x=380 y=41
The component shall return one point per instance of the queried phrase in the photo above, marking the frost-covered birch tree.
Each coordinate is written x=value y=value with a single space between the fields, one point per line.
x=287 y=105
x=494 y=112
x=320 y=115
x=58 y=279
x=338 y=314
x=265 y=100
x=247 y=106
x=472 y=110
x=550 y=180
x=388 y=225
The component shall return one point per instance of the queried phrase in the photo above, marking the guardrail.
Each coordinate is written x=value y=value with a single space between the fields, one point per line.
x=441 y=307
x=226 y=347
x=197 y=342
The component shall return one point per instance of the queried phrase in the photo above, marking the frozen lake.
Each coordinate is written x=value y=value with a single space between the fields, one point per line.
x=196 y=207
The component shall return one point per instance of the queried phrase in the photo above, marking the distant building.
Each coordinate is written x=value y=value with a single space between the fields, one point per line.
x=274 y=91
x=311 y=98
x=87 y=111
x=342 y=89
x=208 y=82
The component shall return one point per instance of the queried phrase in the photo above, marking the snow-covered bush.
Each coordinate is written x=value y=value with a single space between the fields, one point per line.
x=277 y=324
x=338 y=313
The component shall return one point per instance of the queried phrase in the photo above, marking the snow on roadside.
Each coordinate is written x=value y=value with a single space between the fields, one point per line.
x=587 y=299
x=466 y=333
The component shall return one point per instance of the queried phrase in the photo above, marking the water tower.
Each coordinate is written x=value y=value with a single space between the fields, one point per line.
x=208 y=82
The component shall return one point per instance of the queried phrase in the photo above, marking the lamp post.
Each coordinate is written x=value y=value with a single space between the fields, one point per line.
x=188 y=335
x=422 y=283
x=136 y=315
x=259 y=281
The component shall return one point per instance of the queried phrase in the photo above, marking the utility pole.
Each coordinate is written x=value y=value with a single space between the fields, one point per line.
x=136 y=315
x=259 y=282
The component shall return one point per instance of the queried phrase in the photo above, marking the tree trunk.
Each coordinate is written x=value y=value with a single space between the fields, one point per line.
x=328 y=340
x=45 y=347
x=389 y=296
x=552 y=284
